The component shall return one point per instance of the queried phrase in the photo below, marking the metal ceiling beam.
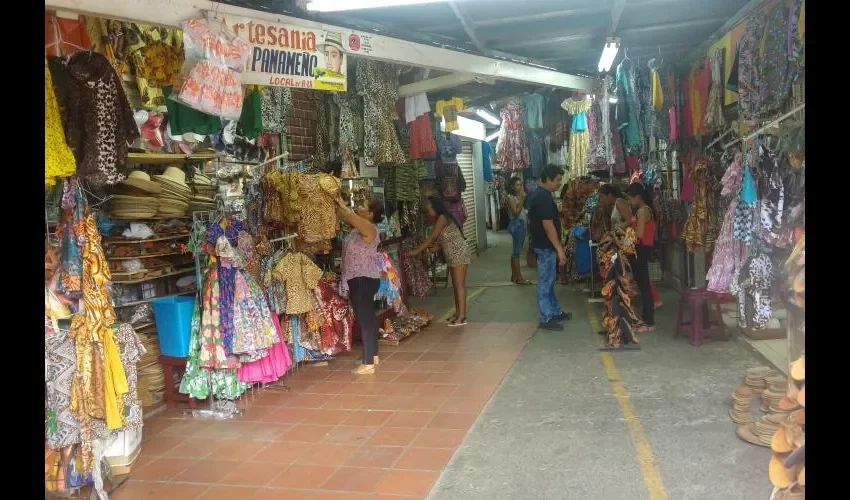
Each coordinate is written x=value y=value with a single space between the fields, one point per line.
x=616 y=14
x=636 y=49
x=439 y=83
x=631 y=31
x=383 y=48
x=470 y=31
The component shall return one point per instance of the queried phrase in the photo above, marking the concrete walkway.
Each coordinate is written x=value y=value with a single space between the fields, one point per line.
x=569 y=422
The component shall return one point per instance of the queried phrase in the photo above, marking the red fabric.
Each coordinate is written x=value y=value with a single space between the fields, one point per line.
x=656 y=297
x=338 y=328
x=649 y=230
x=687 y=122
x=422 y=143
x=71 y=31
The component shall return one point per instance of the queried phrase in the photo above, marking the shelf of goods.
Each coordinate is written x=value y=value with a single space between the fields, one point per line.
x=169 y=158
x=163 y=263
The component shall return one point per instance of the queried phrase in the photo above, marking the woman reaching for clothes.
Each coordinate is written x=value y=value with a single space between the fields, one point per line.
x=448 y=234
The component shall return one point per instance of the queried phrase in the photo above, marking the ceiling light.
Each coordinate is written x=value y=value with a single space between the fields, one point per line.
x=609 y=52
x=492 y=136
x=612 y=100
x=490 y=117
x=340 y=5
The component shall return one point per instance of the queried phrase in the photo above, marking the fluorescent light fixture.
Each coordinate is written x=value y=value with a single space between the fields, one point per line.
x=612 y=100
x=340 y=5
x=492 y=136
x=609 y=53
x=471 y=129
x=490 y=117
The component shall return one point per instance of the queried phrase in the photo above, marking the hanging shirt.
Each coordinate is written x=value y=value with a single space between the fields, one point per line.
x=486 y=153
x=449 y=110
x=416 y=106
x=533 y=104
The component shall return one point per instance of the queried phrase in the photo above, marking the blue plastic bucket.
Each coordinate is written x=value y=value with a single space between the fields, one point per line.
x=173 y=316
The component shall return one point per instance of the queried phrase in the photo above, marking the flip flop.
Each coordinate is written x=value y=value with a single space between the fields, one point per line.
x=458 y=322
x=525 y=282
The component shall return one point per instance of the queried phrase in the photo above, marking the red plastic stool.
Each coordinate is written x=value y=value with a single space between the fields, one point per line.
x=699 y=326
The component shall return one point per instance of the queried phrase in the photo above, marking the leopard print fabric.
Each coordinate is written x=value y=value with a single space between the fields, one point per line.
x=378 y=84
x=350 y=123
x=276 y=108
x=99 y=139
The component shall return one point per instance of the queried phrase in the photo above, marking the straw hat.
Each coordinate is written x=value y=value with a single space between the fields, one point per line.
x=141 y=180
x=173 y=177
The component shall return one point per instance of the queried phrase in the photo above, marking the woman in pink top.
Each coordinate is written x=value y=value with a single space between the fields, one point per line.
x=361 y=273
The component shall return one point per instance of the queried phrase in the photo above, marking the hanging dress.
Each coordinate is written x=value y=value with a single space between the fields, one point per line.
x=512 y=149
x=579 y=135
x=728 y=252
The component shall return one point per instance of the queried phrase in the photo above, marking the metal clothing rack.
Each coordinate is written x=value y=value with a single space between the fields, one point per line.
x=769 y=125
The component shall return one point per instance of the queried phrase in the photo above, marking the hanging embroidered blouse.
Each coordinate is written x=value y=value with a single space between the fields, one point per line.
x=59 y=161
x=579 y=135
x=301 y=276
x=626 y=114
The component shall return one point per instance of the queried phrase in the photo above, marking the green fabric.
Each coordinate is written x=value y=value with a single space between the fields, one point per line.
x=252 y=114
x=182 y=119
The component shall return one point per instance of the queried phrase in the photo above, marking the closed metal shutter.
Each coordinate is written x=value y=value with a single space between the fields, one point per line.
x=464 y=161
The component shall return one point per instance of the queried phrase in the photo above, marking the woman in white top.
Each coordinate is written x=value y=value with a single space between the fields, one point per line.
x=621 y=213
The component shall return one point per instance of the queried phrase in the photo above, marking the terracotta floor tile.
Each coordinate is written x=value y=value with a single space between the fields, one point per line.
x=238 y=449
x=396 y=389
x=367 y=418
x=307 y=432
x=205 y=471
x=161 y=445
x=160 y=469
x=280 y=494
x=436 y=356
x=426 y=366
x=460 y=421
x=304 y=477
x=436 y=389
x=474 y=391
x=416 y=419
x=284 y=453
x=175 y=428
x=381 y=457
x=192 y=448
x=426 y=403
x=326 y=416
x=404 y=356
x=393 y=436
x=355 y=479
x=346 y=402
x=307 y=401
x=412 y=483
x=343 y=376
x=339 y=495
x=439 y=438
x=393 y=366
x=228 y=493
x=269 y=432
x=433 y=459
x=331 y=455
x=253 y=474
x=413 y=378
x=389 y=403
x=364 y=389
x=463 y=405
x=134 y=490
x=329 y=387
x=446 y=378
x=350 y=435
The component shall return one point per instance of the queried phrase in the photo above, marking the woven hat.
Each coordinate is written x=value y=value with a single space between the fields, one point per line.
x=141 y=180
x=333 y=39
x=173 y=176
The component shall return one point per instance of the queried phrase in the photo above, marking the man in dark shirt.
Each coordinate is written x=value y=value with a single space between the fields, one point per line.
x=545 y=229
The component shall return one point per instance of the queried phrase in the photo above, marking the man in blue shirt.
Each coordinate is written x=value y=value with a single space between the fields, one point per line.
x=545 y=229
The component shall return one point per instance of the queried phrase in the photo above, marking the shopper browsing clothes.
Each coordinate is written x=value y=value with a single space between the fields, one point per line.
x=644 y=224
x=545 y=228
x=621 y=214
x=362 y=273
x=517 y=227
x=449 y=234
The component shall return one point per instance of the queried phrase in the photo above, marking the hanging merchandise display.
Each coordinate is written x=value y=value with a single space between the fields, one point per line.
x=618 y=289
x=59 y=161
x=579 y=134
x=512 y=149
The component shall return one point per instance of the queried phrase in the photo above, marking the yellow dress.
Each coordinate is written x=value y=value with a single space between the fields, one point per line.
x=301 y=276
x=579 y=141
x=449 y=110
x=59 y=161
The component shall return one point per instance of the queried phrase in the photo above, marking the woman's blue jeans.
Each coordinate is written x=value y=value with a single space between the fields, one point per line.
x=517 y=230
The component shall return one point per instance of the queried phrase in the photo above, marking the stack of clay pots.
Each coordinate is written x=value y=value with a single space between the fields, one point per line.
x=787 y=468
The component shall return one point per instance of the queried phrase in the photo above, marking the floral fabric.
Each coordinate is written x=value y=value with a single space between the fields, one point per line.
x=512 y=151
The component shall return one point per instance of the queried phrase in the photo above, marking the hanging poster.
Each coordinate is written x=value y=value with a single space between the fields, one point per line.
x=284 y=55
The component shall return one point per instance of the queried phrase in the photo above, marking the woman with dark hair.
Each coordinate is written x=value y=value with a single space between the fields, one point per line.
x=517 y=227
x=361 y=273
x=611 y=197
x=645 y=227
x=449 y=234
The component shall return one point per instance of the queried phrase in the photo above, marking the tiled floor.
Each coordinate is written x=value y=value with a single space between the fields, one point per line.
x=337 y=435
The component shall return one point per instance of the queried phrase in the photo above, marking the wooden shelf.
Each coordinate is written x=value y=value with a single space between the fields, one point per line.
x=152 y=278
x=144 y=301
x=169 y=158
x=148 y=256
x=122 y=241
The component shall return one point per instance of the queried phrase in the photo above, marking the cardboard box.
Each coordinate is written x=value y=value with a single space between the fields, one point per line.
x=123 y=450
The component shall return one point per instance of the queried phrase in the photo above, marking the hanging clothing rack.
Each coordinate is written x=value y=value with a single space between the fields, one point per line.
x=769 y=125
x=720 y=137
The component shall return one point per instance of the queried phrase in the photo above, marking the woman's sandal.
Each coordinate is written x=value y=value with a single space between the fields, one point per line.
x=525 y=282
x=457 y=322
x=644 y=329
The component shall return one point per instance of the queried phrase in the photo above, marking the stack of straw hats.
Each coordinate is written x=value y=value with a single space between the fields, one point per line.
x=755 y=378
x=787 y=467
x=136 y=198
x=741 y=412
x=151 y=383
x=204 y=192
x=175 y=194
